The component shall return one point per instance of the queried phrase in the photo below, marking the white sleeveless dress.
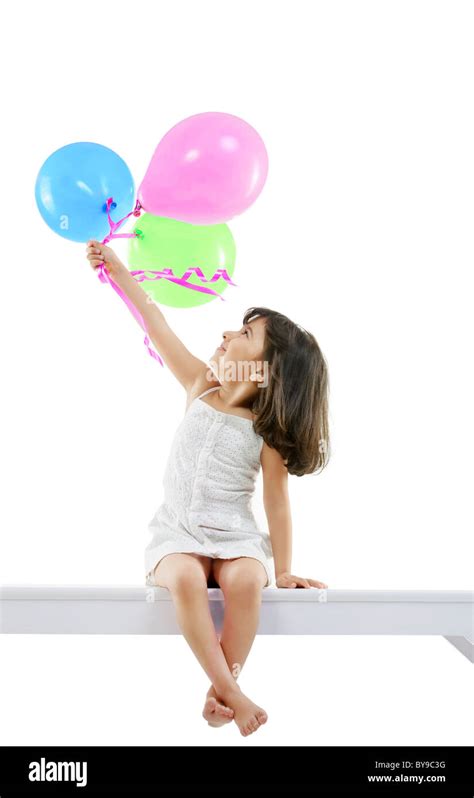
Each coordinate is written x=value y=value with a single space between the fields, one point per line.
x=208 y=483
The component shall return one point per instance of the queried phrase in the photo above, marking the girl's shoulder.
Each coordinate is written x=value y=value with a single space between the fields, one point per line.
x=204 y=381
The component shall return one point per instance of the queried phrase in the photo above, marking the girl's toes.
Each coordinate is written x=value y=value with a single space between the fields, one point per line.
x=209 y=708
x=262 y=717
x=211 y=704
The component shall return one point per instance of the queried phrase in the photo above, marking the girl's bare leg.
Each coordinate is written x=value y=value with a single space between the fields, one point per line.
x=185 y=576
x=241 y=580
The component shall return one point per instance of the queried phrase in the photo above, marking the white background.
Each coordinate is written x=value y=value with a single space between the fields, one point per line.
x=363 y=235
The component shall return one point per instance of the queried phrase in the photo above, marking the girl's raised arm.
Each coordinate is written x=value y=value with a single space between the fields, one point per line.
x=184 y=365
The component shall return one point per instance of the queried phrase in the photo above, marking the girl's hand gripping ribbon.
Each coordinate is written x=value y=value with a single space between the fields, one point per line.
x=104 y=277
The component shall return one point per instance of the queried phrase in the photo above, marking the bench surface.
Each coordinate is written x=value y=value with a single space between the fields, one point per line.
x=132 y=609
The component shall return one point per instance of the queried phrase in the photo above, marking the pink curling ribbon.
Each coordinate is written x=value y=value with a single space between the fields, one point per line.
x=104 y=277
x=140 y=274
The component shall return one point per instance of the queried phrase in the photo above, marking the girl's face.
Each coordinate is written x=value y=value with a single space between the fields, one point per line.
x=246 y=344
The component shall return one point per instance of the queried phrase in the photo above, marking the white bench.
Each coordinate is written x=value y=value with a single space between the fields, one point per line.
x=143 y=610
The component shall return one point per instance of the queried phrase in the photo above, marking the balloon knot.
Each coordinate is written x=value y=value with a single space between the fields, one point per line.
x=109 y=204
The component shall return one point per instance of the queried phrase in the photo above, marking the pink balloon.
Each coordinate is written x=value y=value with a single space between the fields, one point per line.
x=205 y=170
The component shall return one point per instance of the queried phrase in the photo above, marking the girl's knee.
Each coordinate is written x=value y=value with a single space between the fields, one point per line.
x=180 y=571
x=189 y=575
x=247 y=587
x=187 y=582
x=244 y=578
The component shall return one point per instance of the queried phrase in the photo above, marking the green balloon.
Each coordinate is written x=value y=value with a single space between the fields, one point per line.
x=164 y=243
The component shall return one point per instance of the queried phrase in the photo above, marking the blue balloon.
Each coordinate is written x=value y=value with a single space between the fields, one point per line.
x=73 y=186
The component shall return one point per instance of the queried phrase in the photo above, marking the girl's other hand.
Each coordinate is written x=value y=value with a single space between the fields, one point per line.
x=98 y=253
x=290 y=580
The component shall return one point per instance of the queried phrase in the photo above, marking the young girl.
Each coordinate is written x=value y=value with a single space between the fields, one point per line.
x=268 y=408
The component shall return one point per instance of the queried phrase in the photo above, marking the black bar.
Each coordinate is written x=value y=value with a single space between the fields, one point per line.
x=237 y=770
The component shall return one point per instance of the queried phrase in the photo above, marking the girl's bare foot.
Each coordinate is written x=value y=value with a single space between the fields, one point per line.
x=216 y=713
x=247 y=715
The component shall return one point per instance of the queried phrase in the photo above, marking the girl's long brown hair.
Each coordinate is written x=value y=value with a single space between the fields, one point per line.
x=292 y=409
